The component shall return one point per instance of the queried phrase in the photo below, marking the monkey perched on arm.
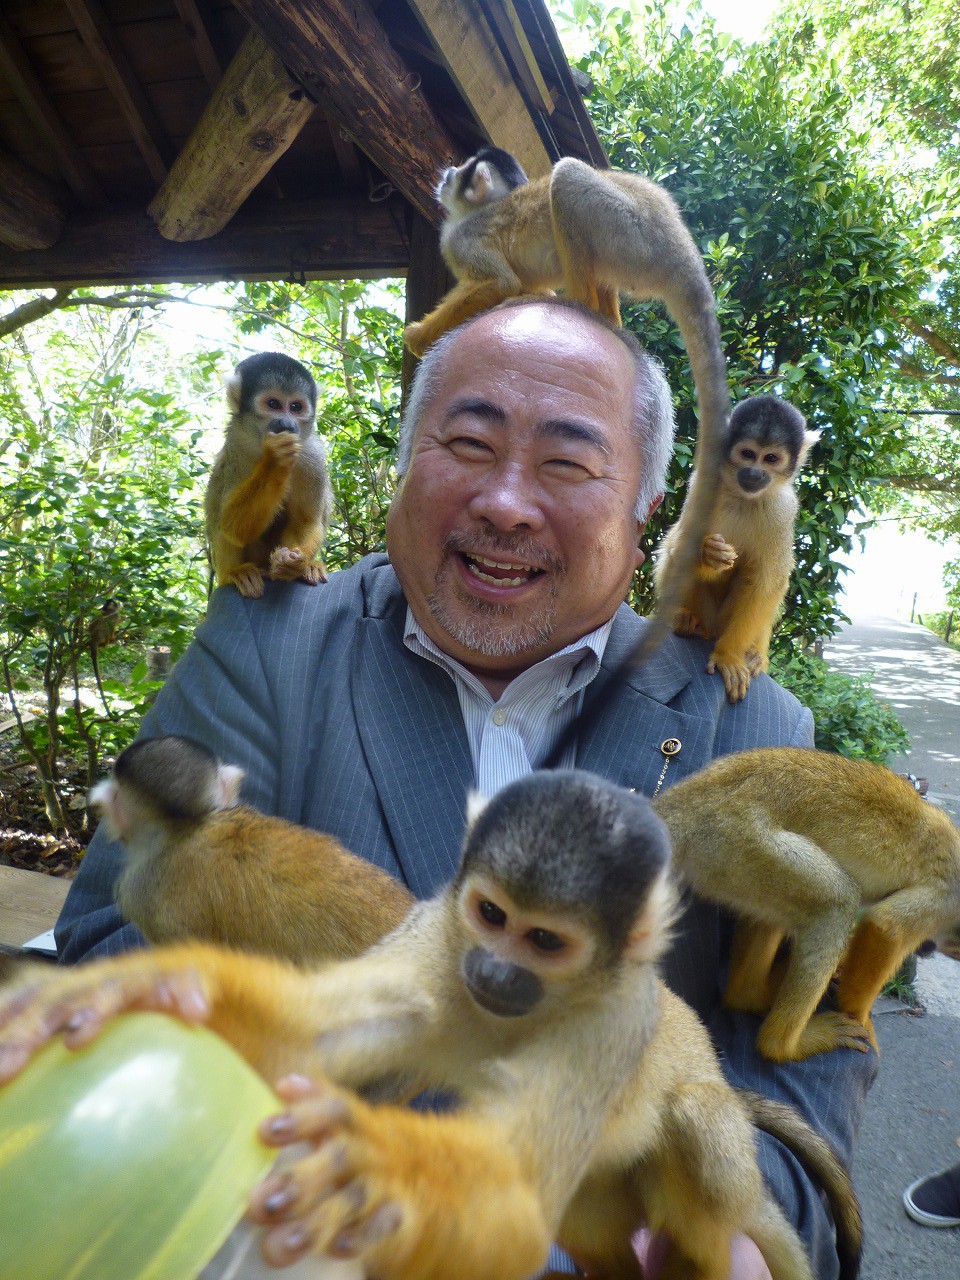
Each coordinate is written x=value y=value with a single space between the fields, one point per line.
x=592 y=1098
x=745 y=565
x=200 y=865
x=842 y=857
x=269 y=499
x=594 y=231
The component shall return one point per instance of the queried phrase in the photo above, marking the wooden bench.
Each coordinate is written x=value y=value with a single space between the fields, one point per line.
x=29 y=904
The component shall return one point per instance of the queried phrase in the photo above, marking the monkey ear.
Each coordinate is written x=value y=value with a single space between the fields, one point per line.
x=478 y=188
x=105 y=798
x=810 y=438
x=229 y=777
x=231 y=385
x=650 y=935
x=476 y=803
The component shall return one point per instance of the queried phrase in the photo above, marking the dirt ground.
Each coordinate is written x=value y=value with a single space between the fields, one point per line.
x=23 y=822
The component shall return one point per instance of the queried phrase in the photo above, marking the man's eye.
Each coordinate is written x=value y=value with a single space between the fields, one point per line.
x=567 y=467
x=468 y=445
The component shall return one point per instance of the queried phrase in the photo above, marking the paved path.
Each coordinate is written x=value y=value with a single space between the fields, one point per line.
x=912 y=1121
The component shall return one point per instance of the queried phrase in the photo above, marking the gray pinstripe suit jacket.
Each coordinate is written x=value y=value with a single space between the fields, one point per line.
x=341 y=728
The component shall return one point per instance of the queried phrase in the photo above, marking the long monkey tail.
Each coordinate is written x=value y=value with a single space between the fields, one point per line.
x=816 y=1155
x=695 y=316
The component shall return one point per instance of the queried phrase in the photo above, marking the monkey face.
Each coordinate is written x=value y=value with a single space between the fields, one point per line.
x=756 y=464
x=515 y=959
x=514 y=531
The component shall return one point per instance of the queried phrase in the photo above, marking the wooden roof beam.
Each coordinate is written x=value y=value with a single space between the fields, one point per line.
x=251 y=120
x=195 y=23
x=341 y=54
x=31 y=214
x=18 y=72
x=318 y=239
x=107 y=53
x=471 y=53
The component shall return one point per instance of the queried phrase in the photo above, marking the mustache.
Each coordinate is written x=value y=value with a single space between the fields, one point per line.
x=521 y=548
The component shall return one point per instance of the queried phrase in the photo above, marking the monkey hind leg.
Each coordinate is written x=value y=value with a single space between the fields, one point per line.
x=792 y=1030
x=703 y=1185
x=753 y=983
x=778 y=1242
x=876 y=951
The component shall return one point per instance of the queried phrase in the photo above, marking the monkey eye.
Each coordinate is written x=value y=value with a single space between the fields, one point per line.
x=545 y=940
x=296 y=406
x=772 y=459
x=748 y=455
x=274 y=405
x=492 y=913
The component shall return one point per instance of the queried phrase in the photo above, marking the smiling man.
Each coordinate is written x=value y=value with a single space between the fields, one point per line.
x=533 y=449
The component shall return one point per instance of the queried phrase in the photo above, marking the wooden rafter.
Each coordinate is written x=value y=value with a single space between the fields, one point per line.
x=251 y=120
x=471 y=53
x=194 y=20
x=31 y=213
x=18 y=72
x=343 y=57
x=107 y=53
x=317 y=239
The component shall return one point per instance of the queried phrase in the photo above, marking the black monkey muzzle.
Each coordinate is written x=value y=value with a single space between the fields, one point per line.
x=505 y=989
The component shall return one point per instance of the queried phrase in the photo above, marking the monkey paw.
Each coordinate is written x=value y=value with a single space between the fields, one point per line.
x=417 y=338
x=336 y=1198
x=756 y=661
x=281 y=448
x=716 y=553
x=78 y=1002
x=824 y=1031
x=248 y=580
x=408 y=1193
x=289 y=563
x=688 y=624
x=736 y=675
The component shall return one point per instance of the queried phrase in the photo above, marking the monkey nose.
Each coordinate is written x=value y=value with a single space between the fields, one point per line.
x=752 y=479
x=502 y=988
x=279 y=425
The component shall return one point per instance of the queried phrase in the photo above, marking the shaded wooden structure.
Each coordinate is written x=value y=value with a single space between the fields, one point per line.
x=193 y=140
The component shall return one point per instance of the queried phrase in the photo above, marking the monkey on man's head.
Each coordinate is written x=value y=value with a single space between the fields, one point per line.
x=745 y=561
x=591 y=1096
x=269 y=499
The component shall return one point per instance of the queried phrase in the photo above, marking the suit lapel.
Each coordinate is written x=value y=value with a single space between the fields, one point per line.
x=626 y=745
x=412 y=734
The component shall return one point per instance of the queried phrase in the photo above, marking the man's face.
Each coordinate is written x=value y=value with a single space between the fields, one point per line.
x=513 y=533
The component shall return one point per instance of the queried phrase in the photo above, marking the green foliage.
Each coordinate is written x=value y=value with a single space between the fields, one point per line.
x=100 y=500
x=849 y=718
x=804 y=244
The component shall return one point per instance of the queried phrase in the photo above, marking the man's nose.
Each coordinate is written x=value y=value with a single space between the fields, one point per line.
x=508 y=497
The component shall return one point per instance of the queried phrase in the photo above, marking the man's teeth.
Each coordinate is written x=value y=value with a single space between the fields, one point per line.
x=525 y=572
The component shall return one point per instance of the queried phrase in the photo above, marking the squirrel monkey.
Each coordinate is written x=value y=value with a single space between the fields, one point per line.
x=593 y=231
x=269 y=499
x=101 y=631
x=592 y=1099
x=842 y=857
x=200 y=865
x=744 y=566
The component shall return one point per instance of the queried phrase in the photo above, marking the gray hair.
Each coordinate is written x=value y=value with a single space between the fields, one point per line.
x=652 y=425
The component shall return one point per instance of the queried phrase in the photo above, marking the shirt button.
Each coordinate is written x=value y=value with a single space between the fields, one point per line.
x=499 y=717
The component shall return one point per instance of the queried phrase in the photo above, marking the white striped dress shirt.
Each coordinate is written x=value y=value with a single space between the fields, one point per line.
x=512 y=736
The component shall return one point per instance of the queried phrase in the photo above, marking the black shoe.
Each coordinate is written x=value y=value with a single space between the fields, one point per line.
x=934 y=1201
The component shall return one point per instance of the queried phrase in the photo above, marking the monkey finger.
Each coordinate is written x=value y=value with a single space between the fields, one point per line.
x=312 y=1116
x=282 y=446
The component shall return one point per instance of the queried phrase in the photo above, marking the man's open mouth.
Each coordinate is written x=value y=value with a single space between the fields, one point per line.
x=500 y=573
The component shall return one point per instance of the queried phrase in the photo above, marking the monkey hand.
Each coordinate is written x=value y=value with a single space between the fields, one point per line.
x=688 y=624
x=280 y=449
x=45 y=1002
x=410 y=1194
x=289 y=563
x=735 y=672
x=717 y=554
x=247 y=578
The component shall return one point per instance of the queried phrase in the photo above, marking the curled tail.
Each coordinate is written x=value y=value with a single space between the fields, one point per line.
x=821 y=1161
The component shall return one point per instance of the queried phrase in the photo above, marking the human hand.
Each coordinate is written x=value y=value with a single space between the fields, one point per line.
x=746 y=1261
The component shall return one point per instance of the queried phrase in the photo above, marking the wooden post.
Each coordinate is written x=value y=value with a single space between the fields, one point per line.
x=427 y=281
